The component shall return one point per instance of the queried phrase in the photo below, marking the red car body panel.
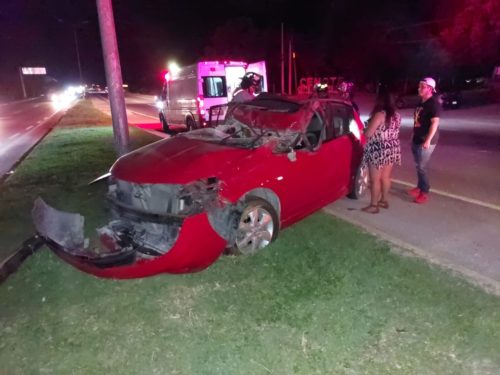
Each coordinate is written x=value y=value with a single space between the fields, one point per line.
x=303 y=186
x=190 y=253
x=165 y=161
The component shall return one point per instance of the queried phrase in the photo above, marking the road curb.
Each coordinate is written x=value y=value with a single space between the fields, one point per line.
x=486 y=283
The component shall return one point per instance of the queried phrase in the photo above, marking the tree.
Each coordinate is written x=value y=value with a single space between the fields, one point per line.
x=473 y=38
x=238 y=39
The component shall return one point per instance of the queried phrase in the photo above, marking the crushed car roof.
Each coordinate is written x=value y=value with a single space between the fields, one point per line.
x=278 y=113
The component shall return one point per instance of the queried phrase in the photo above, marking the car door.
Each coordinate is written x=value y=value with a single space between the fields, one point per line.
x=336 y=152
x=321 y=174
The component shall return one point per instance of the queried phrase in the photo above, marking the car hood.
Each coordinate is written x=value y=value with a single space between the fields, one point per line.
x=177 y=160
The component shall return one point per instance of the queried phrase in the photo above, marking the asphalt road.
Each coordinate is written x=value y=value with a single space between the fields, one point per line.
x=22 y=125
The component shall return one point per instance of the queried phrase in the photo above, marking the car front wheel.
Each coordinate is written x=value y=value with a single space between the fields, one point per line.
x=360 y=185
x=258 y=227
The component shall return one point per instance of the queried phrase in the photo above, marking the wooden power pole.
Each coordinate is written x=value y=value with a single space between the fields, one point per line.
x=113 y=75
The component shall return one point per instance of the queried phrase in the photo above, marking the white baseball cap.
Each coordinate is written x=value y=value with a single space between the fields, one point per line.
x=429 y=82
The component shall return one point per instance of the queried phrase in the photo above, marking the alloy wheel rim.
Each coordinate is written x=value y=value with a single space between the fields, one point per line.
x=255 y=230
x=362 y=180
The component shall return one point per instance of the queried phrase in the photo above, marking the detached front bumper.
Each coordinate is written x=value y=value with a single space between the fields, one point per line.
x=196 y=247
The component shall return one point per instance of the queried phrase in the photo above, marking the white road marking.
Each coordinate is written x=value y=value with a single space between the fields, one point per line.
x=13 y=136
x=454 y=196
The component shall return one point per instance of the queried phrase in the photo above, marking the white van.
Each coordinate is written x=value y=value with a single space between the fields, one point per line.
x=188 y=94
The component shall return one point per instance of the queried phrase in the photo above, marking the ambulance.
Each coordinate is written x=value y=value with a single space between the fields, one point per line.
x=189 y=92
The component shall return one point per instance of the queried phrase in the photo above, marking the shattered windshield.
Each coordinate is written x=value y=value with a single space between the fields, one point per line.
x=236 y=134
x=254 y=123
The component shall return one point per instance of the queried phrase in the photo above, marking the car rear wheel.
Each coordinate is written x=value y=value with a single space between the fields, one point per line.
x=258 y=227
x=190 y=123
x=360 y=185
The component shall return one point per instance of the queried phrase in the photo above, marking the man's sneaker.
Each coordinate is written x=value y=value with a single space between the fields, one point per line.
x=415 y=192
x=422 y=198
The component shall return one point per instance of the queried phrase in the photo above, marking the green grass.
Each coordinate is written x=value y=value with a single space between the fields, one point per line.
x=84 y=113
x=325 y=298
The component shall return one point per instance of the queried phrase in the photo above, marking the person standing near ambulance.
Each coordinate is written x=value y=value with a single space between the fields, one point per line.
x=248 y=87
x=425 y=136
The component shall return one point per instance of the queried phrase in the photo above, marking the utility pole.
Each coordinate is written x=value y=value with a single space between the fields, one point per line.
x=22 y=82
x=282 y=63
x=78 y=56
x=290 y=66
x=113 y=75
x=75 y=26
x=294 y=56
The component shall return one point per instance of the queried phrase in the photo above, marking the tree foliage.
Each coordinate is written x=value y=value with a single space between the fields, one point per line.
x=238 y=38
x=474 y=36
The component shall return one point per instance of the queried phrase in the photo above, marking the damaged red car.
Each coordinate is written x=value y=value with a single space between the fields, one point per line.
x=176 y=205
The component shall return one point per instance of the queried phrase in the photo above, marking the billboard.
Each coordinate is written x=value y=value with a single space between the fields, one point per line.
x=39 y=70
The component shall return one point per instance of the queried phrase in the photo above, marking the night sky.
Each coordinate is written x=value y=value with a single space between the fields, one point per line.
x=41 y=33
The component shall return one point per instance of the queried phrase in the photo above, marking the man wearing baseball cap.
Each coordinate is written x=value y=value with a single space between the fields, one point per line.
x=425 y=136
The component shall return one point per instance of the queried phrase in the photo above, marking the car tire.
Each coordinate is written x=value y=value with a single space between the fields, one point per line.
x=190 y=124
x=257 y=227
x=360 y=184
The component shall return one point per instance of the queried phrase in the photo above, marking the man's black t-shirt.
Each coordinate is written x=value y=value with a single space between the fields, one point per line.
x=422 y=120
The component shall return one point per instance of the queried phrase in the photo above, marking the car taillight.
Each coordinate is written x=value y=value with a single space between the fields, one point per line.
x=354 y=129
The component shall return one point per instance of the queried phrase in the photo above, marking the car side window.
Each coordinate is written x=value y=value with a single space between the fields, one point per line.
x=338 y=116
x=314 y=130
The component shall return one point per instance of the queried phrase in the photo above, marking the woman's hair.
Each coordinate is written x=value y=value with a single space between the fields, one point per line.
x=384 y=102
